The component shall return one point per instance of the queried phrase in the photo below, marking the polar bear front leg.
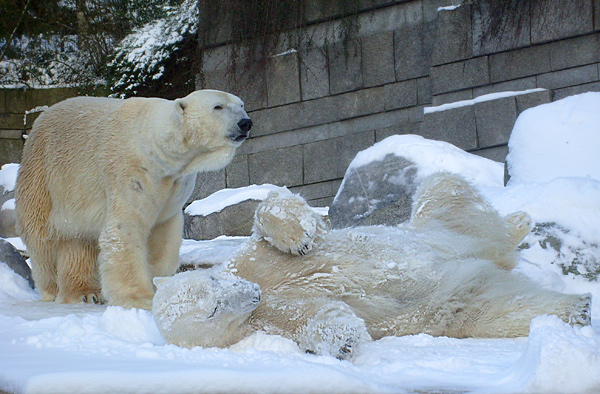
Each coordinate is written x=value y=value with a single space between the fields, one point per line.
x=164 y=244
x=124 y=271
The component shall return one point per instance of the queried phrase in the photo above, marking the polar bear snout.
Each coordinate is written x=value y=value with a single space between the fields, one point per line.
x=243 y=131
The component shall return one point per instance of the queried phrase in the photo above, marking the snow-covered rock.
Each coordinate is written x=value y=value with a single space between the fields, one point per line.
x=380 y=181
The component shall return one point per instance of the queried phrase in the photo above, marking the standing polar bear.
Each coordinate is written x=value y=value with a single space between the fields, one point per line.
x=447 y=272
x=101 y=187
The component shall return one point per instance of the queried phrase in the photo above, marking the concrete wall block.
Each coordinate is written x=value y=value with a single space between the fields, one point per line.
x=317 y=191
x=454 y=40
x=345 y=67
x=412 y=51
x=572 y=90
x=16 y=100
x=283 y=80
x=526 y=101
x=520 y=63
x=236 y=173
x=400 y=94
x=207 y=183
x=12 y=121
x=555 y=19
x=378 y=59
x=495 y=120
x=452 y=97
x=282 y=167
x=461 y=75
x=328 y=160
x=400 y=129
x=386 y=19
x=456 y=126
x=569 y=77
x=575 y=52
x=497 y=153
x=513 y=33
x=314 y=74
x=3 y=108
x=514 y=85
x=10 y=151
x=424 y=90
x=41 y=97
x=596 y=15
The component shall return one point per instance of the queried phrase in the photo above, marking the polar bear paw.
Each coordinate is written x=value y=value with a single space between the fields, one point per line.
x=287 y=223
x=334 y=331
x=519 y=225
x=581 y=311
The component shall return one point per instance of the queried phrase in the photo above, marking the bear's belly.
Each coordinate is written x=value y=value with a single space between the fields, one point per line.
x=77 y=220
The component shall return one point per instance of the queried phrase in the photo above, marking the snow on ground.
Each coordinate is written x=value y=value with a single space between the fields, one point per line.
x=51 y=348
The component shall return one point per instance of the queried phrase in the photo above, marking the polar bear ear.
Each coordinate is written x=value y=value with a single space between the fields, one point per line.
x=180 y=106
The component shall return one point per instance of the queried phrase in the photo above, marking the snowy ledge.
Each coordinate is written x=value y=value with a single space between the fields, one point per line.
x=480 y=99
x=220 y=200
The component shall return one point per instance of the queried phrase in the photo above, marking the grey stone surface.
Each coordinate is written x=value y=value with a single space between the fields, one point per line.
x=569 y=77
x=514 y=85
x=572 y=90
x=460 y=75
x=452 y=97
x=514 y=31
x=520 y=63
x=10 y=151
x=375 y=194
x=575 y=52
x=400 y=94
x=11 y=257
x=345 y=67
x=495 y=121
x=283 y=80
x=207 y=183
x=456 y=126
x=234 y=220
x=497 y=153
x=404 y=128
x=327 y=160
x=317 y=191
x=282 y=167
x=378 y=59
x=412 y=51
x=530 y=100
x=236 y=173
x=554 y=19
x=8 y=221
x=454 y=39
x=424 y=91
x=314 y=76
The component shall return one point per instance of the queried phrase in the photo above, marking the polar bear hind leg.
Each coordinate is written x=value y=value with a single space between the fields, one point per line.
x=78 y=278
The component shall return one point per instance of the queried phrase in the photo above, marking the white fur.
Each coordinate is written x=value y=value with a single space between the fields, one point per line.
x=445 y=273
x=101 y=187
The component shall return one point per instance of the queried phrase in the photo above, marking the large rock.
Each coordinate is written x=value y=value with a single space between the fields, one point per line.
x=375 y=194
x=11 y=257
x=226 y=212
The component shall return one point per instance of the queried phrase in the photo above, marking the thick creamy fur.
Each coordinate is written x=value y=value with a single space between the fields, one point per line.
x=446 y=273
x=101 y=186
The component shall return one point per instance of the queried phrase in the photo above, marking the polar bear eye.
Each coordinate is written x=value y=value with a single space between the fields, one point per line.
x=218 y=107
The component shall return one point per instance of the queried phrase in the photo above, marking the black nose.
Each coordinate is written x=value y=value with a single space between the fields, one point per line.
x=245 y=124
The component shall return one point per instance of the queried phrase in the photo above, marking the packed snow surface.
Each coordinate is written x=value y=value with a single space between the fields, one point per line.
x=54 y=348
x=8 y=176
x=218 y=201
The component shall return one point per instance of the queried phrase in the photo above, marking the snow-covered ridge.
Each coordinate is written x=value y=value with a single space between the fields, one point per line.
x=480 y=99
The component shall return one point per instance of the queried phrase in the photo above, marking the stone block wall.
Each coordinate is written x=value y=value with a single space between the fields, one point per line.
x=14 y=103
x=315 y=107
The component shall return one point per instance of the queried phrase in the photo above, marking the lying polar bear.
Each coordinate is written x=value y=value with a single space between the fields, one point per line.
x=447 y=272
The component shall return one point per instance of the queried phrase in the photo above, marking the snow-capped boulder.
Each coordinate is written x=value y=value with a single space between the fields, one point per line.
x=11 y=257
x=226 y=212
x=380 y=181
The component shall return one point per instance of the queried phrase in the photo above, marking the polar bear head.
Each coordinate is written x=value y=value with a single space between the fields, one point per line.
x=212 y=118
